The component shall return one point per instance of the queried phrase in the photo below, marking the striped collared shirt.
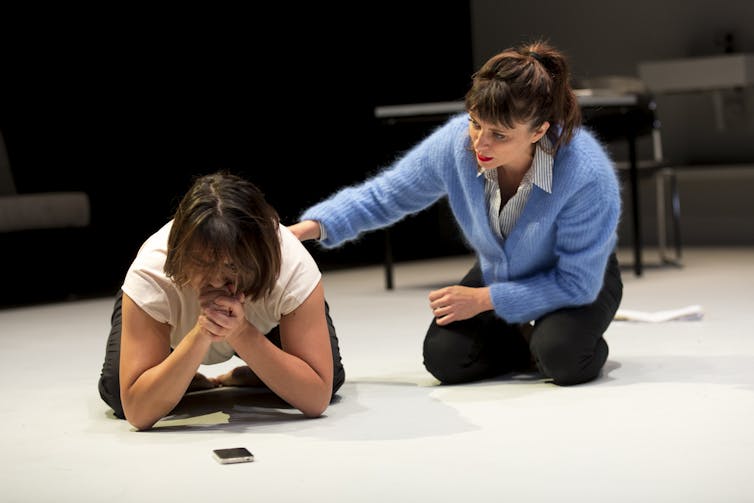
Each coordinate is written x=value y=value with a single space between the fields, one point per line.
x=503 y=219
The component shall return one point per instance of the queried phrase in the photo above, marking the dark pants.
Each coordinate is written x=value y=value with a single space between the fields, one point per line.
x=566 y=345
x=109 y=381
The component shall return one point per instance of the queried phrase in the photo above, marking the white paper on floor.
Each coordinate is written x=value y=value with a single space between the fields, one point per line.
x=687 y=313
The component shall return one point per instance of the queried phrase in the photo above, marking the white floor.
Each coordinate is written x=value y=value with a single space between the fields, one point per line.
x=671 y=420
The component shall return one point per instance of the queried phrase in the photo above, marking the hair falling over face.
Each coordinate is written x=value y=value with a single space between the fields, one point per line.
x=224 y=228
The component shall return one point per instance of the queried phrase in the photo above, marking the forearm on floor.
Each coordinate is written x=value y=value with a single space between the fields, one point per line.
x=159 y=389
x=288 y=376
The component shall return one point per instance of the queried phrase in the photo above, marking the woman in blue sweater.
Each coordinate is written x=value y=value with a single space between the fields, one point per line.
x=536 y=197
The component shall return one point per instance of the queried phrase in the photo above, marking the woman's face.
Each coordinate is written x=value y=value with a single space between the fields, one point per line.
x=213 y=281
x=206 y=276
x=498 y=146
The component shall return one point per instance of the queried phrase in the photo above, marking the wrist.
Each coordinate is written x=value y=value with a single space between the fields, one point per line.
x=485 y=299
x=200 y=336
x=313 y=229
x=247 y=333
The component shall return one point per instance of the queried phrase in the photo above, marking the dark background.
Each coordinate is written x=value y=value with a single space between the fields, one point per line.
x=130 y=106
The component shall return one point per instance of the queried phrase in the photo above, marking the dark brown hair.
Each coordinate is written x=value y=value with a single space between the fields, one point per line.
x=223 y=225
x=526 y=84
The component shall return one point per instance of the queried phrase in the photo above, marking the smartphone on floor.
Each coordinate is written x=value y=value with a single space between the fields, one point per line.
x=233 y=455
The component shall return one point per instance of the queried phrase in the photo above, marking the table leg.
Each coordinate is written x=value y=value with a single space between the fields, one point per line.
x=388 y=261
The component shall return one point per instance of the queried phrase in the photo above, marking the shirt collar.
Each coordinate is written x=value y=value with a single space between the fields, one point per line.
x=541 y=167
x=540 y=173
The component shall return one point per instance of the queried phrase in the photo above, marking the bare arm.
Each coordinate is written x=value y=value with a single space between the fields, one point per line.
x=152 y=379
x=302 y=372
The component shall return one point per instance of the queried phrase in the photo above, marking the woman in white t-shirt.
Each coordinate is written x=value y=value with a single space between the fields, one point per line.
x=222 y=278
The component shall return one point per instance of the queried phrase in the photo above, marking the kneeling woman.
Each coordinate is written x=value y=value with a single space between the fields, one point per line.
x=222 y=278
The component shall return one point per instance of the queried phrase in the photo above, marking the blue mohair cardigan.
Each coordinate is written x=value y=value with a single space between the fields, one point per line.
x=554 y=257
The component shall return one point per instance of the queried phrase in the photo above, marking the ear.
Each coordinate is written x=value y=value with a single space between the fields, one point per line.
x=540 y=132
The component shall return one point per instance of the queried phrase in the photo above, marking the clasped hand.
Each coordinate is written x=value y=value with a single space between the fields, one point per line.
x=222 y=314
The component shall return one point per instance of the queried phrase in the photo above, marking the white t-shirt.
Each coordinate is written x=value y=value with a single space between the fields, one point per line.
x=164 y=301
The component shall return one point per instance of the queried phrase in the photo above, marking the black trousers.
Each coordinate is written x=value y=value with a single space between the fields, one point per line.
x=109 y=381
x=566 y=345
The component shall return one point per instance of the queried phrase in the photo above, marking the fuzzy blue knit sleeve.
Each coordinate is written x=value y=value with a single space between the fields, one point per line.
x=412 y=183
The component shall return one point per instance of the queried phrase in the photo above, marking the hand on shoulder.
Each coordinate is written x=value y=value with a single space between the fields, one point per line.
x=305 y=230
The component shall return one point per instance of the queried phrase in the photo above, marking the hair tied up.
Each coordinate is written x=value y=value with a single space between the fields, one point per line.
x=536 y=56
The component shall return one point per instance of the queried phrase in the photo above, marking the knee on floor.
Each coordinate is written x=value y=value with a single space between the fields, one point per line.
x=562 y=362
x=442 y=360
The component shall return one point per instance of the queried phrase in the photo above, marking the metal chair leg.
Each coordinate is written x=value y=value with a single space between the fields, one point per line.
x=667 y=182
x=661 y=216
x=676 y=202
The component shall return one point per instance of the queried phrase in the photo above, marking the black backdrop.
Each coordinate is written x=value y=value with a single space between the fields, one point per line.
x=130 y=106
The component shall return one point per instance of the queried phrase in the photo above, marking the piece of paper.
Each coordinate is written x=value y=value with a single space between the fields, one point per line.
x=686 y=313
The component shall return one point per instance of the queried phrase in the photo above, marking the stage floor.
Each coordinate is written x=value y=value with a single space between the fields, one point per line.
x=671 y=419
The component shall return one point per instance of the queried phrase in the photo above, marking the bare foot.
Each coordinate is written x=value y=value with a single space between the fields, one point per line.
x=239 y=376
x=200 y=382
